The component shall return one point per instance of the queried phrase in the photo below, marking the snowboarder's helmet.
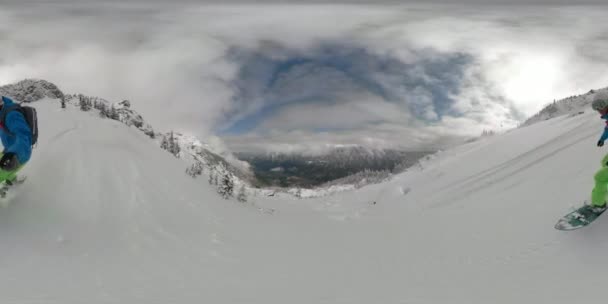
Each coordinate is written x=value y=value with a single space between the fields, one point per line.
x=600 y=101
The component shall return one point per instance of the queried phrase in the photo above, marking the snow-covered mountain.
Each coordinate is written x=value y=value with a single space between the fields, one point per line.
x=107 y=217
x=194 y=152
x=120 y=111
x=201 y=154
x=340 y=165
x=332 y=165
x=573 y=105
x=30 y=90
x=342 y=155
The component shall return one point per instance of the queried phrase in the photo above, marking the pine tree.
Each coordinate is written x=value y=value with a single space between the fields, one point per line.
x=164 y=144
x=195 y=170
x=172 y=143
x=85 y=103
x=176 y=149
x=63 y=105
x=103 y=111
x=226 y=189
x=174 y=146
x=242 y=195
x=113 y=113
x=211 y=177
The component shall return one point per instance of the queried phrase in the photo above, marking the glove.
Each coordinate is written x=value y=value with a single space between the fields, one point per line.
x=9 y=161
x=600 y=143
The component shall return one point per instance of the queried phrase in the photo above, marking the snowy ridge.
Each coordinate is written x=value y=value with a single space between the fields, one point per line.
x=572 y=105
x=120 y=111
x=30 y=90
x=194 y=152
x=199 y=155
x=131 y=118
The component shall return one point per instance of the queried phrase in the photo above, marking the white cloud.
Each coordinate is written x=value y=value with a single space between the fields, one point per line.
x=171 y=61
x=342 y=115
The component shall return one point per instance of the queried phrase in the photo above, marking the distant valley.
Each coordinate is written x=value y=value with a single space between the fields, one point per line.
x=308 y=171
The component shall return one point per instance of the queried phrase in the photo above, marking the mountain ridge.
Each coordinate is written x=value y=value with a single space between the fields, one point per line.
x=573 y=105
x=195 y=152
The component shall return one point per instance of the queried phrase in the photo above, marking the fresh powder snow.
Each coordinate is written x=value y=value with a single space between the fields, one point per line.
x=105 y=216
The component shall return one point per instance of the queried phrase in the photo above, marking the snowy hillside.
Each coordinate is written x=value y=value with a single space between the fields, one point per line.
x=120 y=111
x=203 y=155
x=105 y=218
x=572 y=105
x=194 y=152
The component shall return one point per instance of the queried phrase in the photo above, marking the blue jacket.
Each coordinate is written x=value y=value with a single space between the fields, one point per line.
x=20 y=139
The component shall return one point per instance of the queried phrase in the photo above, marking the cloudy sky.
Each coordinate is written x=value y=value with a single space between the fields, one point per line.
x=280 y=76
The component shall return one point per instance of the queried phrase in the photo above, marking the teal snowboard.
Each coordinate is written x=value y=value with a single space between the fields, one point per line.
x=579 y=218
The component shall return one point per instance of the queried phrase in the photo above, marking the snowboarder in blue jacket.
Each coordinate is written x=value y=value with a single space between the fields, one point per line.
x=16 y=137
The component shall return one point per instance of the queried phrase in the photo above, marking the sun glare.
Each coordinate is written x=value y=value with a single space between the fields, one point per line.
x=530 y=81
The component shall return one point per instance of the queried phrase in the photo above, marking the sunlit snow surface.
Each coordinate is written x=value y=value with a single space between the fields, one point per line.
x=107 y=217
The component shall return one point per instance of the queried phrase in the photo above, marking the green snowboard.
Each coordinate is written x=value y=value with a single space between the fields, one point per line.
x=579 y=218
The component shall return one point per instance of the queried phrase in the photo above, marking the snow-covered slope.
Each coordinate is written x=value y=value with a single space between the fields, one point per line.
x=475 y=224
x=105 y=217
x=573 y=105
x=193 y=151
x=196 y=152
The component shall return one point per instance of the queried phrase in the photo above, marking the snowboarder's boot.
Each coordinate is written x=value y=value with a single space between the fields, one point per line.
x=9 y=183
x=4 y=189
